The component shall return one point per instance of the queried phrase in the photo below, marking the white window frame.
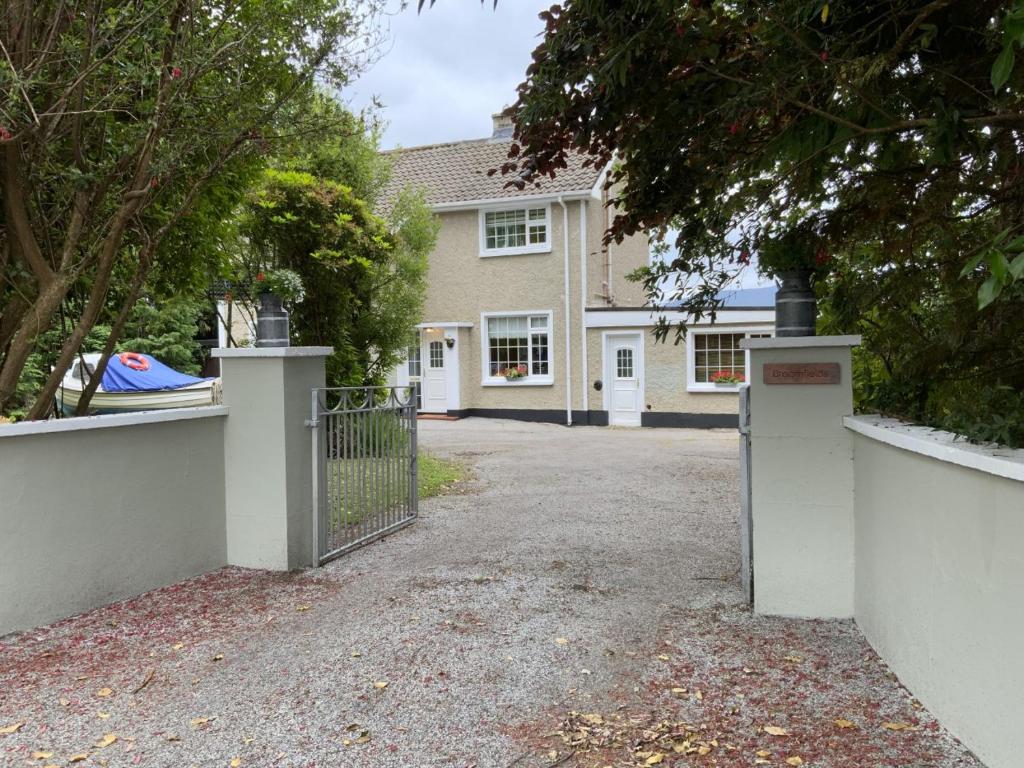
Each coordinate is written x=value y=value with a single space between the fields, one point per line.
x=544 y=247
x=530 y=380
x=692 y=385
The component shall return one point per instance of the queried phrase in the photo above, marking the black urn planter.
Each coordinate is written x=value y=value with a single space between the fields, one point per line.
x=271 y=322
x=796 y=307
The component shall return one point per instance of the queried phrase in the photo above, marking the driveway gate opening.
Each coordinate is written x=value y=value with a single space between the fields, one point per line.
x=364 y=465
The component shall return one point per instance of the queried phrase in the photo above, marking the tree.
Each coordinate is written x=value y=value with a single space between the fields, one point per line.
x=364 y=276
x=116 y=118
x=889 y=130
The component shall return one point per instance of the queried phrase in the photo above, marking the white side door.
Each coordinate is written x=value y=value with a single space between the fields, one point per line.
x=435 y=374
x=623 y=359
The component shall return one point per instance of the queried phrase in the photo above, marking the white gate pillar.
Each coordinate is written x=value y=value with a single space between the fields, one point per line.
x=268 y=461
x=801 y=466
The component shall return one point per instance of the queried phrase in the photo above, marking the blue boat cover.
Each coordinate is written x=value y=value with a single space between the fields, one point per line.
x=120 y=378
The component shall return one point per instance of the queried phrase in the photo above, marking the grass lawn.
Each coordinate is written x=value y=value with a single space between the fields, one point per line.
x=437 y=476
x=356 y=488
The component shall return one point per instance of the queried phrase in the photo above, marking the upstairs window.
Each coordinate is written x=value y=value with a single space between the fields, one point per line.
x=512 y=231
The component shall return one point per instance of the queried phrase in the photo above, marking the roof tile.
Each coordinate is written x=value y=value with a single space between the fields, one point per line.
x=457 y=172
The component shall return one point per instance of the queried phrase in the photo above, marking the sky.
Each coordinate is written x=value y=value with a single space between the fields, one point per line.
x=444 y=72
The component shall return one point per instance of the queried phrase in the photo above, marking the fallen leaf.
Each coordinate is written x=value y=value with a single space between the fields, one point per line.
x=381 y=684
x=198 y=721
x=346 y=742
x=79 y=757
x=12 y=728
x=774 y=730
x=172 y=737
x=561 y=641
x=356 y=654
x=763 y=753
x=219 y=657
x=842 y=722
x=794 y=760
x=586 y=672
x=678 y=691
x=64 y=702
x=655 y=759
x=235 y=762
x=303 y=607
x=106 y=741
x=703 y=749
x=177 y=646
x=898 y=726
x=103 y=715
x=104 y=692
x=662 y=657
x=793 y=658
x=363 y=737
x=40 y=755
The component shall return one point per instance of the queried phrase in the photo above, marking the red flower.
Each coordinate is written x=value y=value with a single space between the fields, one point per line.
x=821 y=257
x=734 y=128
x=5 y=135
x=260 y=277
x=176 y=73
x=744 y=256
x=823 y=55
x=153 y=182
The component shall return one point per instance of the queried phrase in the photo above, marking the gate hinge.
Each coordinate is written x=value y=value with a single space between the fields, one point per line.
x=311 y=423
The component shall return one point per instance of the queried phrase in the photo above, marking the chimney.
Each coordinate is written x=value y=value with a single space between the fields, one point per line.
x=502 y=125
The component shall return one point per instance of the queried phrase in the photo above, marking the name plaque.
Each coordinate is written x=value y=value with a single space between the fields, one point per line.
x=801 y=373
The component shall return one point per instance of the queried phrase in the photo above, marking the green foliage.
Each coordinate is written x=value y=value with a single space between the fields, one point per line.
x=879 y=142
x=167 y=331
x=130 y=132
x=364 y=276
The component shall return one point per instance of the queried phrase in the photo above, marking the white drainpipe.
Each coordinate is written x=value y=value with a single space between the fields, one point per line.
x=583 y=305
x=568 y=342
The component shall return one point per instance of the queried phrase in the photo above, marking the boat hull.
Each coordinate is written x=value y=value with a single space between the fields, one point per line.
x=129 y=402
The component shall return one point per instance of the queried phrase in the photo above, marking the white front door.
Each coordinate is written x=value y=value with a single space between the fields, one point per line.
x=435 y=374
x=623 y=363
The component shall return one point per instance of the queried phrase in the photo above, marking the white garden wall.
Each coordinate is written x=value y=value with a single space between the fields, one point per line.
x=939 y=532
x=98 y=509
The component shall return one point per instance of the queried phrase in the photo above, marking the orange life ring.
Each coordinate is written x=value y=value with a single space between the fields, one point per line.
x=134 y=360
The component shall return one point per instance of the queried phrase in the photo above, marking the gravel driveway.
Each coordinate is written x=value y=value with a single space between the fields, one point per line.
x=575 y=603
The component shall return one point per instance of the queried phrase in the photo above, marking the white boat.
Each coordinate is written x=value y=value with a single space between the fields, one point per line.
x=167 y=391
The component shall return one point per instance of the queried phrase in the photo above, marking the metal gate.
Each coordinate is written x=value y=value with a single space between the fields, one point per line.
x=364 y=465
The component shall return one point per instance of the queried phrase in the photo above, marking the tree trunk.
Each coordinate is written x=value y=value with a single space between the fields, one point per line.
x=115 y=334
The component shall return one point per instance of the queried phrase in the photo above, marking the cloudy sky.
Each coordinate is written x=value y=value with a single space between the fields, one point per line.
x=445 y=71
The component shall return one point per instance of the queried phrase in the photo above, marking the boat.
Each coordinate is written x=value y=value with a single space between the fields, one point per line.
x=134 y=382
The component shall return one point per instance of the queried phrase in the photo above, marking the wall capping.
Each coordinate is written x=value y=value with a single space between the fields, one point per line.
x=272 y=351
x=800 y=342
x=79 y=423
x=944 y=446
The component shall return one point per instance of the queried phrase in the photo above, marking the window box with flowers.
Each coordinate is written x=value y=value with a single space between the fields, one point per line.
x=727 y=379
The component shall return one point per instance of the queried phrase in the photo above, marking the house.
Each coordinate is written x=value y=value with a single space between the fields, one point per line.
x=529 y=315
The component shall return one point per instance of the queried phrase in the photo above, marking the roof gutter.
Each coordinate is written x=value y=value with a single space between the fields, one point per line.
x=465 y=205
x=568 y=333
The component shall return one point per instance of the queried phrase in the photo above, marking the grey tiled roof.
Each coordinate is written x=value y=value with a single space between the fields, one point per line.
x=457 y=172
